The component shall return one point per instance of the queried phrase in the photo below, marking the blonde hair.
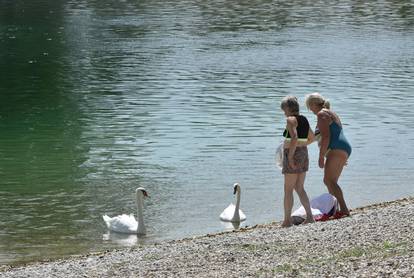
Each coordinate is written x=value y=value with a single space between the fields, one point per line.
x=291 y=103
x=318 y=99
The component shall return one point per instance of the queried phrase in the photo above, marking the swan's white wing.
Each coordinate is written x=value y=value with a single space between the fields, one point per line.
x=242 y=215
x=122 y=223
x=107 y=220
x=228 y=213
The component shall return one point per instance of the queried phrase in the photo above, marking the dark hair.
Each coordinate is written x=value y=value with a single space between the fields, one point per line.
x=291 y=103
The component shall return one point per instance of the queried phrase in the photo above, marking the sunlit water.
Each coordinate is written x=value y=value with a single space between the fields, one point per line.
x=182 y=98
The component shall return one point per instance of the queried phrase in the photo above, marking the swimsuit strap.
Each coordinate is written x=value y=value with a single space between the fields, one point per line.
x=333 y=117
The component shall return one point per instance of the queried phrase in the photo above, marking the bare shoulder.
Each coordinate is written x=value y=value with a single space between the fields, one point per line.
x=324 y=115
x=333 y=117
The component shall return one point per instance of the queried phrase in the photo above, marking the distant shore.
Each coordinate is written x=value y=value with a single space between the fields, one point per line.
x=377 y=240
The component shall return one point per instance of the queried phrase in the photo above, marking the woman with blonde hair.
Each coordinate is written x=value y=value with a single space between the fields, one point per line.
x=334 y=148
x=295 y=158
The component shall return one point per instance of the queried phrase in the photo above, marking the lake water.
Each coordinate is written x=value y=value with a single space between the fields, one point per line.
x=182 y=98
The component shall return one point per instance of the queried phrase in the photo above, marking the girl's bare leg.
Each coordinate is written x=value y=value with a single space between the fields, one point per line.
x=290 y=182
x=299 y=187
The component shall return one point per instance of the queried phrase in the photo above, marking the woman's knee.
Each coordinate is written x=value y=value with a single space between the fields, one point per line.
x=328 y=181
x=300 y=190
x=289 y=189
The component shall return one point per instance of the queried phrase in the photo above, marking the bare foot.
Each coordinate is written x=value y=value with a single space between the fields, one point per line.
x=286 y=224
x=341 y=214
x=307 y=221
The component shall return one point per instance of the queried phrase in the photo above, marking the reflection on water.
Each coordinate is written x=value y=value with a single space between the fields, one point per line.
x=182 y=98
x=229 y=226
x=125 y=240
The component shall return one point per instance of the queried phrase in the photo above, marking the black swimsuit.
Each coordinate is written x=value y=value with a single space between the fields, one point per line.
x=302 y=128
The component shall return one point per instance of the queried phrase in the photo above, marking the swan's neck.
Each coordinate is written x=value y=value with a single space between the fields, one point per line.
x=141 y=226
x=236 y=215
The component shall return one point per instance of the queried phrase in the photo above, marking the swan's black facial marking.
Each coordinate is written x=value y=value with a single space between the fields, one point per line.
x=236 y=185
x=145 y=193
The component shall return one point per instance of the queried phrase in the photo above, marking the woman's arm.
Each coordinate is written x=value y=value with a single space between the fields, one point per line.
x=311 y=136
x=323 y=125
x=291 y=124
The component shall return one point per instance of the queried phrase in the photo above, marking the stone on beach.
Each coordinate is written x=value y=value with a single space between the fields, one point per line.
x=376 y=241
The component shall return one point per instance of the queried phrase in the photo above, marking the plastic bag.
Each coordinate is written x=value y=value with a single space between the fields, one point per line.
x=279 y=155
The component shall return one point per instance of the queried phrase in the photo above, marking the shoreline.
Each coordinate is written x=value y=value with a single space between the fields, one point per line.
x=376 y=240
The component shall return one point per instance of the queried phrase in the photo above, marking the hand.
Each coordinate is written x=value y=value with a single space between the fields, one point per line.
x=321 y=162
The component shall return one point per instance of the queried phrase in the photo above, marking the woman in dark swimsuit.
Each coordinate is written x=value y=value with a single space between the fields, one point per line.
x=334 y=149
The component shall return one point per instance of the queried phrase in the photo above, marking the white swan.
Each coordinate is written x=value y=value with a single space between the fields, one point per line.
x=126 y=223
x=233 y=212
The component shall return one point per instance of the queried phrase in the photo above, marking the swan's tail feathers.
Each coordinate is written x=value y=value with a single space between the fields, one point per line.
x=107 y=220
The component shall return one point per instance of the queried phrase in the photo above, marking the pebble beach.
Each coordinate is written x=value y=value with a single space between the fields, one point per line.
x=376 y=241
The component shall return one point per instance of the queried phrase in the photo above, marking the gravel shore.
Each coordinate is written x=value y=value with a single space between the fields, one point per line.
x=376 y=241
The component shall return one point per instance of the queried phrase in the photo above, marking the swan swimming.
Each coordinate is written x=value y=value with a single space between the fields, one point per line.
x=233 y=212
x=126 y=223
